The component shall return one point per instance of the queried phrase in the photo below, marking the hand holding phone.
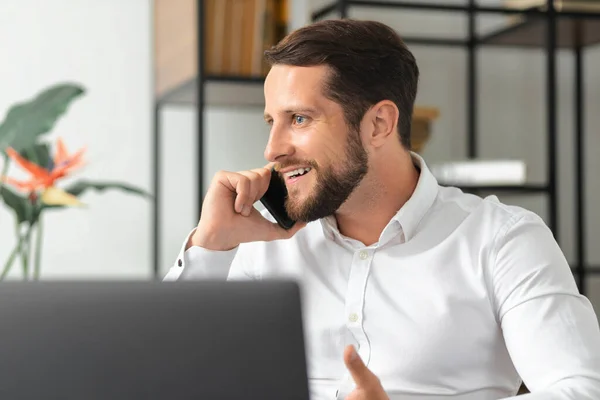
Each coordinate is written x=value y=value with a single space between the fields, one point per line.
x=274 y=201
x=228 y=216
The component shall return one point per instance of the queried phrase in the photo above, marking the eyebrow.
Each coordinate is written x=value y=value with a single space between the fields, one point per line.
x=300 y=110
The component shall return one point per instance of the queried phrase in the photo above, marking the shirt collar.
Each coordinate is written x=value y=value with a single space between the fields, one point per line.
x=413 y=211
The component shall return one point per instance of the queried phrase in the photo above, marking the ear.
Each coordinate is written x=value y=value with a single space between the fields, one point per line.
x=383 y=123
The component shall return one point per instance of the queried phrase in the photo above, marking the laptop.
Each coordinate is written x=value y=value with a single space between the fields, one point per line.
x=151 y=340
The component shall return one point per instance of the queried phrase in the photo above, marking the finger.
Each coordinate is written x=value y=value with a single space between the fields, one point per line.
x=261 y=179
x=253 y=193
x=240 y=185
x=265 y=176
x=265 y=180
x=363 y=377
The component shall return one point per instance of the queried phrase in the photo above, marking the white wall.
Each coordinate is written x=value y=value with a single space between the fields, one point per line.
x=105 y=45
x=512 y=121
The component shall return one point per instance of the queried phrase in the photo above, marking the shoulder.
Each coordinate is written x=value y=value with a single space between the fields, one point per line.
x=515 y=250
x=510 y=235
x=483 y=225
x=488 y=212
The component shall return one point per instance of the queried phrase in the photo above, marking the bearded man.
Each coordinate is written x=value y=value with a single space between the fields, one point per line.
x=411 y=290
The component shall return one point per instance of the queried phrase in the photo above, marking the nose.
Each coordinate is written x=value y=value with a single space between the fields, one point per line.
x=279 y=144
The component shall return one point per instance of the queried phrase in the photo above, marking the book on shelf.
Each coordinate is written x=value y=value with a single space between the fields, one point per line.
x=239 y=31
x=480 y=173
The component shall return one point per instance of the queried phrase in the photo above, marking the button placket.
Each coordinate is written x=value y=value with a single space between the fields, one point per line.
x=359 y=273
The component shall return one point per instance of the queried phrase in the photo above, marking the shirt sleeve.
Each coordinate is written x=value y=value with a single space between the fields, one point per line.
x=550 y=329
x=198 y=263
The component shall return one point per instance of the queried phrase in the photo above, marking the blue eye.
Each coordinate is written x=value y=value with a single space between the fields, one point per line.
x=299 y=119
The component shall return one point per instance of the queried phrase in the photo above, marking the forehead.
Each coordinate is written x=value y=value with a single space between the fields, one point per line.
x=289 y=86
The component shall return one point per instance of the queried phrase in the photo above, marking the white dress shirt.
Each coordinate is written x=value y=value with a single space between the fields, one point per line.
x=461 y=298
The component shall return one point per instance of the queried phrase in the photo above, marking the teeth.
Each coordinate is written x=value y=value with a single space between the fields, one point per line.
x=299 y=171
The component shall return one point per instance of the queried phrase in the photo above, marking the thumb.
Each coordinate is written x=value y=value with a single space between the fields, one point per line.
x=363 y=377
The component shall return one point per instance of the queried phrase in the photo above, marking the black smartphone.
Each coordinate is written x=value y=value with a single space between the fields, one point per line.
x=274 y=201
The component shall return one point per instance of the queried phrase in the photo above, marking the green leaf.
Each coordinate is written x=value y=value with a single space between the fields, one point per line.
x=26 y=121
x=81 y=186
x=38 y=154
x=21 y=205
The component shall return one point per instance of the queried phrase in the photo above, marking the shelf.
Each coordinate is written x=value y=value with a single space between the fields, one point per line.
x=574 y=28
x=219 y=91
x=447 y=6
x=433 y=41
x=570 y=33
x=176 y=79
x=176 y=56
x=524 y=189
x=409 y=5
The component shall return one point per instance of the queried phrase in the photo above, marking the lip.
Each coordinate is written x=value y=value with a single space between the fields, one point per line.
x=291 y=181
x=290 y=169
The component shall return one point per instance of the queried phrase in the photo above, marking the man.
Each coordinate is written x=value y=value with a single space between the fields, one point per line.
x=411 y=290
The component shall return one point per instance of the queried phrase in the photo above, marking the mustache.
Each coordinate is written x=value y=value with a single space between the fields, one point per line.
x=296 y=161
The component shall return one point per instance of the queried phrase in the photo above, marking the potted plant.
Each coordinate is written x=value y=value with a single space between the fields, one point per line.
x=23 y=143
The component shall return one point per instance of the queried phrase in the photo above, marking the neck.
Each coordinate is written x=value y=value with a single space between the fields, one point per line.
x=382 y=193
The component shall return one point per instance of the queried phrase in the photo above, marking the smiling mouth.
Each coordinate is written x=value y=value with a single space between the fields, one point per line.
x=297 y=173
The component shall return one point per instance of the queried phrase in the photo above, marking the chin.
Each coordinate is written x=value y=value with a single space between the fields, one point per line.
x=295 y=207
x=300 y=196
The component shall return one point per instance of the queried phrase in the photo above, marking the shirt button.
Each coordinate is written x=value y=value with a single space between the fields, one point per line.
x=179 y=262
x=353 y=317
x=363 y=255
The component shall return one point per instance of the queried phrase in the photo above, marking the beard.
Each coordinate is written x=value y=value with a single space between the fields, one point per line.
x=333 y=186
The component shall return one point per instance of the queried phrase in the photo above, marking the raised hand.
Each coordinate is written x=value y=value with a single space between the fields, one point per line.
x=368 y=386
x=228 y=215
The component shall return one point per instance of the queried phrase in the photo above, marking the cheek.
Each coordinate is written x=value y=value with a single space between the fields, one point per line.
x=324 y=144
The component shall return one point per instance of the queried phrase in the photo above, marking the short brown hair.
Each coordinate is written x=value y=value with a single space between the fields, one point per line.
x=369 y=63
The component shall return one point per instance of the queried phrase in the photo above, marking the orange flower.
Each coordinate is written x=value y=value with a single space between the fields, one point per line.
x=43 y=179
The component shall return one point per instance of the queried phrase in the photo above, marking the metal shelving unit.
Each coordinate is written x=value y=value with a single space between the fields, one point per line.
x=546 y=29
